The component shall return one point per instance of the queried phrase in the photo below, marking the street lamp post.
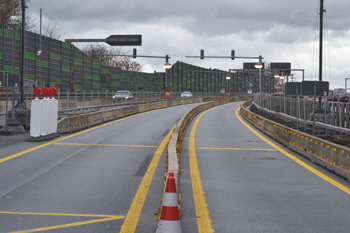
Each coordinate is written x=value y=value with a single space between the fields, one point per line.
x=228 y=77
x=166 y=66
x=21 y=103
x=259 y=66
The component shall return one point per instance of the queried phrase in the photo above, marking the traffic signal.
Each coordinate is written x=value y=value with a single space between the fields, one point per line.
x=202 y=54
x=134 y=53
x=232 y=54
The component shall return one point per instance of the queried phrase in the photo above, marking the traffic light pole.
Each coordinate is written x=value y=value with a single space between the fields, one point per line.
x=232 y=56
x=260 y=58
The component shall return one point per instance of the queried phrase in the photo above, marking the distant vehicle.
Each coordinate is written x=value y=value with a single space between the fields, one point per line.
x=330 y=96
x=123 y=95
x=344 y=98
x=337 y=92
x=186 y=94
x=309 y=98
x=277 y=94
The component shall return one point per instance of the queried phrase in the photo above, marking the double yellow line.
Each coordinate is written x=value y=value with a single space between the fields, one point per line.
x=202 y=213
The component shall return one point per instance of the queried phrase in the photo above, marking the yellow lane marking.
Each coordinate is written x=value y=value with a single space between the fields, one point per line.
x=64 y=138
x=249 y=149
x=60 y=214
x=202 y=212
x=295 y=159
x=132 y=218
x=86 y=144
x=105 y=218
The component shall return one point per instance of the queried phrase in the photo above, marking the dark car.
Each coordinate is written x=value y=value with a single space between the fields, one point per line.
x=123 y=95
x=344 y=98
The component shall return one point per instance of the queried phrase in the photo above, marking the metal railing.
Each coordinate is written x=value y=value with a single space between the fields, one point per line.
x=79 y=101
x=308 y=113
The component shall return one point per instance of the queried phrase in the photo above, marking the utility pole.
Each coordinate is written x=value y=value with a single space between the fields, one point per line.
x=321 y=47
x=21 y=103
x=321 y=39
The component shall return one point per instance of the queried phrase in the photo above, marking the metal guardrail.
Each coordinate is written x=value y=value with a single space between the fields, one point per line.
x=298 y=121
x=326 y=153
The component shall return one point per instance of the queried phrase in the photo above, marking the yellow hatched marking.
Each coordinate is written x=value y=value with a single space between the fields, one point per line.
x=105 y=218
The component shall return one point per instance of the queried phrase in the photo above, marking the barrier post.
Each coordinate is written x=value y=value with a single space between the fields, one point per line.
x=35 y=115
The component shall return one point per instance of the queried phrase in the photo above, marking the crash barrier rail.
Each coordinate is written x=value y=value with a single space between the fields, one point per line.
x=332 y=156
x=334 y=112
x=172 y=167
x=310 y=123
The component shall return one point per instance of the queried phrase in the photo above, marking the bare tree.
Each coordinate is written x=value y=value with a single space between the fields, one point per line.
x=99 y=53
x=109 y=56
x=128 y=63
x=52 y=29
x=10 y=15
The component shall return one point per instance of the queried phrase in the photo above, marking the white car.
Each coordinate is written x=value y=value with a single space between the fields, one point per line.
x=186 y=94
x=123 y=95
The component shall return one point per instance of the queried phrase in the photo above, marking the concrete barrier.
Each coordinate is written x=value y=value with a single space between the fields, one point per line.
x=95 y=118
x=175 y=142
x=327 y=154
x=79 y=122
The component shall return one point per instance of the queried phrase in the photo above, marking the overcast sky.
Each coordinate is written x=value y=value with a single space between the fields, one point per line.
x=279 y=30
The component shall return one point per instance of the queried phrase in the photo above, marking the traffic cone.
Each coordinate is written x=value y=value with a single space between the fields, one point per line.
x=170 y=216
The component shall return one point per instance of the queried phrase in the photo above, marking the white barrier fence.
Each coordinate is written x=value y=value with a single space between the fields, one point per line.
x=44 y=113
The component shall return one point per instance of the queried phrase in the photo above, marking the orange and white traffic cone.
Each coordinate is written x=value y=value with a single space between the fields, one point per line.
x=170 y=216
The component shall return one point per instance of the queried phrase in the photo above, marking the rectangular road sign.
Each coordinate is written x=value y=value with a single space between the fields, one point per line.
x=293 y=88
x=13 y=80
x=314 y=88
x=124 y=40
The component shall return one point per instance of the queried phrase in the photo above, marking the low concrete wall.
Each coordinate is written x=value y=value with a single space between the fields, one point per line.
x=175 y=141
x=79 y=122
x=330 y=155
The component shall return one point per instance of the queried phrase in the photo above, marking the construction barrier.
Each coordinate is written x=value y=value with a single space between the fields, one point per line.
x=43 y=115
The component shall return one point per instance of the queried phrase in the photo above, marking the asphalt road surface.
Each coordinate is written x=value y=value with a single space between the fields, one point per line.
x=109 y=178
x=89 y=181
x=250 y=183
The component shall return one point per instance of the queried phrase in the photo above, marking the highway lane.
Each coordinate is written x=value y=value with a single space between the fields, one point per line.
x=107 y=178
x=237 y=181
